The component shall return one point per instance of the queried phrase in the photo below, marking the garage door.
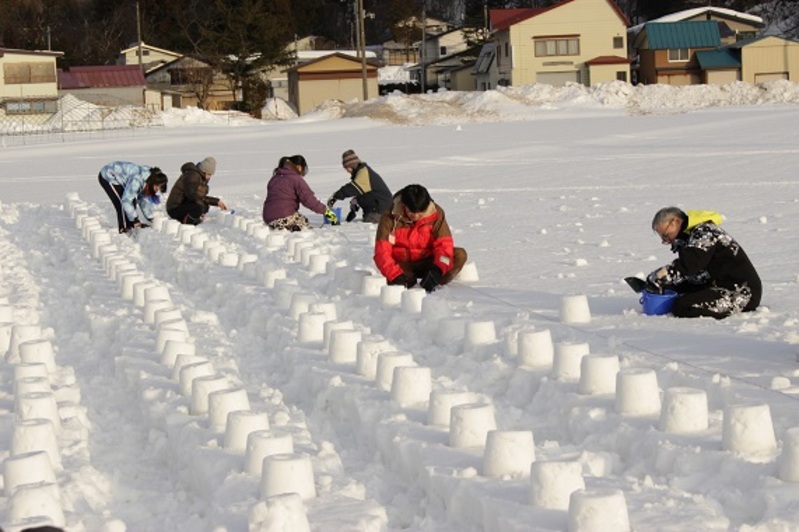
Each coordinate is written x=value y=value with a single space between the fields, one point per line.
x=774 y=76
x=722 y=77
x=557 y=79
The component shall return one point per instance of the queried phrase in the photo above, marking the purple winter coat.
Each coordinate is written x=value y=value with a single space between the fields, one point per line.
x=284 y=193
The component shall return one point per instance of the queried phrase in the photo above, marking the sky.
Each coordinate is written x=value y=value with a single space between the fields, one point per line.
x=612 y=420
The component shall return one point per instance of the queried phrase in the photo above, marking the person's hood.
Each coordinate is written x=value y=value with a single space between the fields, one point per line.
x=699 y=217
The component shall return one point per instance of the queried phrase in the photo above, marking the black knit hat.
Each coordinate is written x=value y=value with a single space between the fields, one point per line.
x=349 y=159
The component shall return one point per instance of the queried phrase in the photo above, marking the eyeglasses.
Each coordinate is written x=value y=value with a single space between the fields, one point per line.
x=665 y=232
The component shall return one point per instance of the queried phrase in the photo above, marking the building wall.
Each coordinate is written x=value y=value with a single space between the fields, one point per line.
x=332 y=78
x=771 y=55
x=604 y=73
x=43 y=67
x=722 y=77
x=594 y=21
x=149 y=55
x=110 y=97
x=463 y=80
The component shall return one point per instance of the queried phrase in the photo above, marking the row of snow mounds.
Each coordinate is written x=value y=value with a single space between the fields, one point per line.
x=259 y=449
x=46 y=416
x=411 y=389
x=403 y=403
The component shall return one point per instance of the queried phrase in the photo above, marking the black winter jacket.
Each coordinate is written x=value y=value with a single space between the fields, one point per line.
x=369 y=190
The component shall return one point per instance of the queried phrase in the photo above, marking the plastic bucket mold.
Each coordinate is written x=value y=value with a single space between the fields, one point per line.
x=336 y=210
x=657 y=304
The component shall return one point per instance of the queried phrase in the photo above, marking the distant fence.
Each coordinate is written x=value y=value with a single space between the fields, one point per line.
x=22 y=120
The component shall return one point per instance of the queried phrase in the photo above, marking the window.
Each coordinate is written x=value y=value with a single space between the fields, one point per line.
x=143 y=52
x=507 y=49
x=24 y=73
x=744 y=35
x=621 y=75
x=442 y=51
x=678 y=55
x=555 y=47
x=29 y=107
x=618 y=42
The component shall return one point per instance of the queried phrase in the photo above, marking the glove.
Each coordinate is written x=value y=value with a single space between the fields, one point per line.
x=351 y=215
x=657 y=279
x=432 y=280
x=404 y=279
x=331 y=217
x=331 y=202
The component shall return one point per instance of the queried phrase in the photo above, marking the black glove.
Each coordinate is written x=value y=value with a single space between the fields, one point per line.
x=404 y=279
x=351 y=215
x=432 y=280
x=331 y=202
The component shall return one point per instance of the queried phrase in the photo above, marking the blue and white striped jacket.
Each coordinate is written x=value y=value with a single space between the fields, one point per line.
x=132 y=178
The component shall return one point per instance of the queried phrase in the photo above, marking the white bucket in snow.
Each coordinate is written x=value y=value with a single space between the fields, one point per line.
x=747 y=428
x=439 y=408
x=574 y=309
x=470 y=424
x=36 y=435
x=240 y=424
x=386 y=362
x=568 y=359
x=598 y=510
x=552 y=483
x=372 y=284
x=344 y=346
x=222 y=402
x=789 y=459
x=684 y=410
x=366 y=355
x=637 y=392
x=189 y=372
x=508 y=453
x=288 y=473
x=411 y=386
x=536 y=349
x=598 y=374
x=27 y=468
x=478 y=333
x=202 y=388
x=38 y=351
x=263 y=443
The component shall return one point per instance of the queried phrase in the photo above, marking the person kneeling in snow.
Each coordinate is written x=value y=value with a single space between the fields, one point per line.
x=712 y=274
x=189 y=200
x=414 y=242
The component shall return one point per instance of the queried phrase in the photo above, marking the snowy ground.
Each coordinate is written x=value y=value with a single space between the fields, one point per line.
x=550 y=192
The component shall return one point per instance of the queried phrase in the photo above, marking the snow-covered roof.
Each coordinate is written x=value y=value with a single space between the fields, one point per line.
x=691 y=13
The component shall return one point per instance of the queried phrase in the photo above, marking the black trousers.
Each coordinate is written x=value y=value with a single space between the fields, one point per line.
x=188 y=213
x=115 y=195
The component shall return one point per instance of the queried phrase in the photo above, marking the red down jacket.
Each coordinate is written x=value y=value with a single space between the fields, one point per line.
x=401 y=240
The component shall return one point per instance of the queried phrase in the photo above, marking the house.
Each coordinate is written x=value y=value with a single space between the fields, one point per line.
x=454 y=72
x=767 y=58
x=29 y=83
x=733 y=25
x=434 y=49
x=333 y=76
x=667 y=51
x=152 y=57
x=191 y=82
x=578 y=41
x=108 y=85
x=395 y=53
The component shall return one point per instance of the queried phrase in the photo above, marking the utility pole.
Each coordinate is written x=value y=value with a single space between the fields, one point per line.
x=138 y=36
x=362 y=48
x=423 y=72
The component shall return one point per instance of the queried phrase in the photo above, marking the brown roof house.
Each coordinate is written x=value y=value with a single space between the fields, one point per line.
x=107 y=85
x=28 y=81
x=578 y=41
x=333 y=77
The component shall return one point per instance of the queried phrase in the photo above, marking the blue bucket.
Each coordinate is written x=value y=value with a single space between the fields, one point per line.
x=336 y=210
x=657 y=304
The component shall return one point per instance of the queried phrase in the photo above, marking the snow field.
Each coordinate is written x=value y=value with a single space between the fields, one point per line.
x=410 y=408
